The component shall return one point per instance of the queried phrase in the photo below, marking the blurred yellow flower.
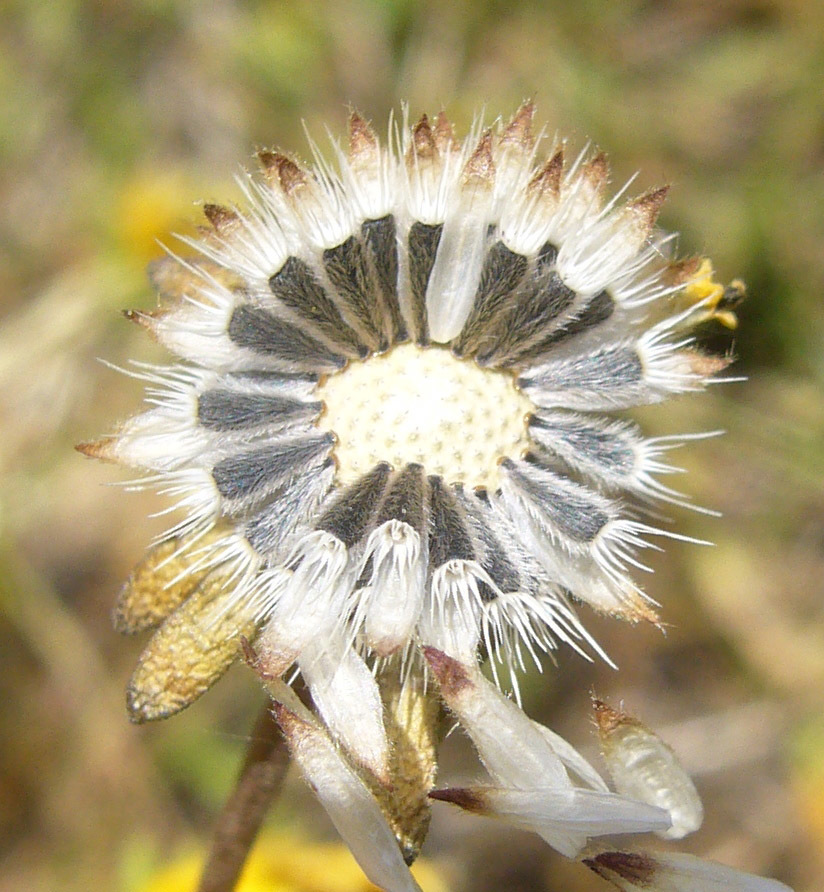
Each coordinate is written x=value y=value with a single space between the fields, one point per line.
x=287 y=863
x=150 y=206
x=807 y=774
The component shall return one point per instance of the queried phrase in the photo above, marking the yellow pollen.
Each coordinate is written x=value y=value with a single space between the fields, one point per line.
x=421 y=404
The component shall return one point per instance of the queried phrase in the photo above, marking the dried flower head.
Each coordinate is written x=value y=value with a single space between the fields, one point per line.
x=385 y=438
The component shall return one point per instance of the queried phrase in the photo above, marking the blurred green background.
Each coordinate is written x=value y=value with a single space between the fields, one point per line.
x=115 y=116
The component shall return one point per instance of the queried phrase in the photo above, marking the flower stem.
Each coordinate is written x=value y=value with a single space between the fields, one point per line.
x=258 y=783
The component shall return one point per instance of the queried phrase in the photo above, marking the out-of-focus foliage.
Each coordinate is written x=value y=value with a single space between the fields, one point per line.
x=117 y=114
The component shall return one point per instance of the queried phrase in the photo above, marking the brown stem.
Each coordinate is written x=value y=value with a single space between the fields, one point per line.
x=258 y=783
